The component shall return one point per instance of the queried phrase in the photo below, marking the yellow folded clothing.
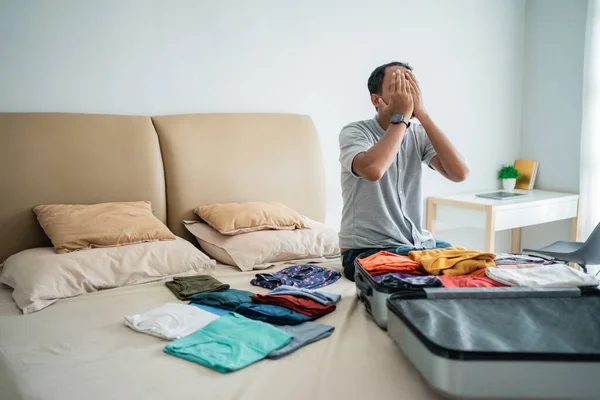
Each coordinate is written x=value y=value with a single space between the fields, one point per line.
x=453 y=260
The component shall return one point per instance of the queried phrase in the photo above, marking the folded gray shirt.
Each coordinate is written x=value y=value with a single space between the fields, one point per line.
x=304 y=333
x=318 y=296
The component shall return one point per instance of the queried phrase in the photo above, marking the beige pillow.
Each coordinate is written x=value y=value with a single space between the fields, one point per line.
x=262 y=249
x=237 y=218
x=41 y=277
x=73 y=227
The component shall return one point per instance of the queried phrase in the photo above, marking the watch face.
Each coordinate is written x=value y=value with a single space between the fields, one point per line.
x=397 y=118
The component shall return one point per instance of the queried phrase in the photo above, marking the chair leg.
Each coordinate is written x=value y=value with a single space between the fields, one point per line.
x=583 y=267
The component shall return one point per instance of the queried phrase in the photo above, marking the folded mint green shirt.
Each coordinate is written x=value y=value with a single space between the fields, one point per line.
x=229 y=343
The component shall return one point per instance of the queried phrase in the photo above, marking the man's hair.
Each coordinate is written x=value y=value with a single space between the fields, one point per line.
x=375 y=82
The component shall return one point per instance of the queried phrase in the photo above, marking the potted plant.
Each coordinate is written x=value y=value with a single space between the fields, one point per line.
x=508 y=175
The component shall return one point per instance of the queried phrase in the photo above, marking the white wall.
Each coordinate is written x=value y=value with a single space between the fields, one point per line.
x=313 y=57
x=552 y=102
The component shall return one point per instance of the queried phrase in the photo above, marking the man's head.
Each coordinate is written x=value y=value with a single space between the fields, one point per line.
x=379 y=81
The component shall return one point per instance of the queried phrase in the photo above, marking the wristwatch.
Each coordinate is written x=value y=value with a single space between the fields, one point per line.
x=399 y=118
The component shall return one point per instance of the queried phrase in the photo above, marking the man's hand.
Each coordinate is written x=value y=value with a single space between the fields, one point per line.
x=417 y=96
x=401 y=100
x=448 y=160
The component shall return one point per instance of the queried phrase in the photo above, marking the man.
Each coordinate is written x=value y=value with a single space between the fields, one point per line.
x=381 y=162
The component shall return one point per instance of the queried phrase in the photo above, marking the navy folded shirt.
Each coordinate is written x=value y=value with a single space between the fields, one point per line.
x=306 y=276
x=272 y=314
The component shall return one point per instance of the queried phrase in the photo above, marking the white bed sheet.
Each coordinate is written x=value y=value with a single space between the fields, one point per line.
x=79 y=348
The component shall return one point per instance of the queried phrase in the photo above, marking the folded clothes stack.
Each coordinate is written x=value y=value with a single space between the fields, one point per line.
x=517 y=261
x=324 y=298
x=305 y=306
x=426 y=268
x=458 y=267
x=228 y=329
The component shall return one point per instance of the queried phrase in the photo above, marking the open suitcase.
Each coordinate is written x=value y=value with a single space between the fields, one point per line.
x=372 y=294
x=501 y=343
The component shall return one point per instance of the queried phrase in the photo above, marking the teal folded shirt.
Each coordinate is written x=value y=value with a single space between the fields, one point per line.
x=227 y=299
x=229 y=343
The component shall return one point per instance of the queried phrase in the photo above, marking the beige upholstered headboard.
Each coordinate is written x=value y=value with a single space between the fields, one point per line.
x=72 y=158
x=218 y=158
x=49 y=158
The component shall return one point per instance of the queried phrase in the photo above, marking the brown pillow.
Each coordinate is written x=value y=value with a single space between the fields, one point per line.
x=236 y=218
x=73 y=227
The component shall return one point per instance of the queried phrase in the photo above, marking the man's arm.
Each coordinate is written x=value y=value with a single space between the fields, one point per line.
x=373 y=163
x=448 y=160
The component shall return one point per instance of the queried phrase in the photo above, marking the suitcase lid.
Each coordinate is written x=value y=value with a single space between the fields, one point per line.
x=518 y=324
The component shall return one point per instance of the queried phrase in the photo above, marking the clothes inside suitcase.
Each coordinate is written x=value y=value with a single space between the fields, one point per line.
x=501 y=343
x=374 y=294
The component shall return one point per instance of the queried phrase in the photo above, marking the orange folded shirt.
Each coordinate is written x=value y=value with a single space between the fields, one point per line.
x=477 y=272
x=384 y=262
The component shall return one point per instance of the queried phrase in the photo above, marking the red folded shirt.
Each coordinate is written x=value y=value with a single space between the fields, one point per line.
x=468 y=281
x=305 y=306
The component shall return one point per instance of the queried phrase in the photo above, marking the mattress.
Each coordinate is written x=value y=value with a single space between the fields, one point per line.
x=80 y=348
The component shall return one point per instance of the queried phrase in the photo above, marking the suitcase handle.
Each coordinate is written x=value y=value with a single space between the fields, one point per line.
x=362 y=285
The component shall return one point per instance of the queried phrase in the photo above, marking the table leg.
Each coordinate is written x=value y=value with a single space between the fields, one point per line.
x=516 y=240
x=575 y=232
x=431 y=216
x=575 y=229
x=490 y=230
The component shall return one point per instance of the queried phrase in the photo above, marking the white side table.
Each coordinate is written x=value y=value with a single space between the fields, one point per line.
x=536 y=207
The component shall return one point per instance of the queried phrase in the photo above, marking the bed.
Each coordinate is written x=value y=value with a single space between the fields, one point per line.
x=79 y=347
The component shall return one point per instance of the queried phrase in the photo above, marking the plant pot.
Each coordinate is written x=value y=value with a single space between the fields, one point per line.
x=509 y=184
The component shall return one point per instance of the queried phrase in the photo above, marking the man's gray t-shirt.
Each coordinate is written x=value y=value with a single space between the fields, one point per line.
x=388 y=212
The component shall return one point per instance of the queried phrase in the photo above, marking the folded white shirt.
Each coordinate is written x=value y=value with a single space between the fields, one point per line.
x=170 y=321
x=555 y=275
